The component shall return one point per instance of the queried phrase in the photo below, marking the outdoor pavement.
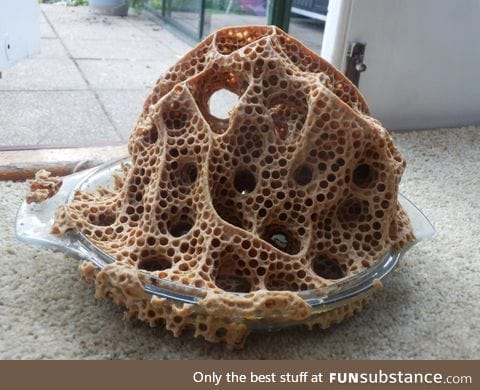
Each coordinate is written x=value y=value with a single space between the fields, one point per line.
x=87 y=85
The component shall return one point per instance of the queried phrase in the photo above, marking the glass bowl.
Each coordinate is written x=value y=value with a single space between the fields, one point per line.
x=34 y=222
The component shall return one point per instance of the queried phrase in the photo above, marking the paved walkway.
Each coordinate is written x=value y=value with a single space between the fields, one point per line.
x=88 y=84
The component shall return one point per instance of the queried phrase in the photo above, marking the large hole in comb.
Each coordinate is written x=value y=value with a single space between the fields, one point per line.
x=327 y=268
x=188 y=173
x=351 y=210
x=303 y=174
x=363 y=175
x=233 y=283
x=230 y=278
x=221 y=104
x=281 y=238
x=181 y=226
x=277 y=284
x=244 y=181
x=155 y=263
x=228 y=85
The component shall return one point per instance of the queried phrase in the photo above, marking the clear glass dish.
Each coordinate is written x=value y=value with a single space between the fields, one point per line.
x=34 y=222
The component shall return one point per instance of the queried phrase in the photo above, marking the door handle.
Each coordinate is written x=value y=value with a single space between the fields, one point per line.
x=354 y=63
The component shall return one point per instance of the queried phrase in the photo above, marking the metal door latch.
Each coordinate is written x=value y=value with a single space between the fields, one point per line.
x=355 y=64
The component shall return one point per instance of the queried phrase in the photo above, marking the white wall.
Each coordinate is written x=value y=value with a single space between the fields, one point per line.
x=423 y=58
x=19 y=31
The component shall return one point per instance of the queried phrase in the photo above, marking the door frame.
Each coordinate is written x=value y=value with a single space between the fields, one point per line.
x=335 y=45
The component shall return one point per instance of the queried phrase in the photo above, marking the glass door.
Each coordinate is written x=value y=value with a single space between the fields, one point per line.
x=224 y=13
x=307 y=22
x=186 y=15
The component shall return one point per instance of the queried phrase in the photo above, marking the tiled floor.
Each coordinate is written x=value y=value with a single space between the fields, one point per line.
x=88 y=83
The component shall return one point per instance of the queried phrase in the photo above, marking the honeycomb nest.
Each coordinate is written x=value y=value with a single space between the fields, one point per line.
x=295 y=190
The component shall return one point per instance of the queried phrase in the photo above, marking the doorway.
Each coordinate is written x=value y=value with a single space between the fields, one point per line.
x=421 y=58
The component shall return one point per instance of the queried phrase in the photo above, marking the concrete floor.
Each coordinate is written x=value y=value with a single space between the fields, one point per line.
x=88 y=84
